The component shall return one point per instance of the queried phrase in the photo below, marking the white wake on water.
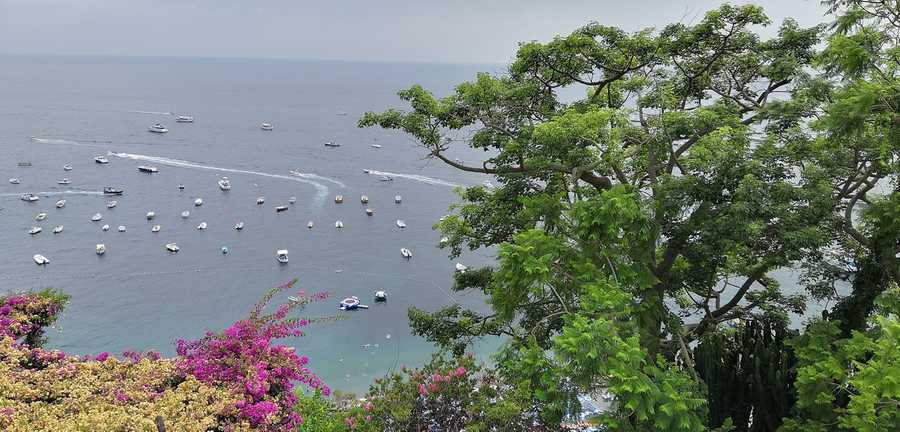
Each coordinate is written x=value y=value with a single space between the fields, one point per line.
x=150 y=112
x=321 y=190
x=61 y=141
x=415 y=177
x=53 y=193
x=317 y=177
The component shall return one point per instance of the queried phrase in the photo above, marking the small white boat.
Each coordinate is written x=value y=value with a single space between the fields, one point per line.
x=351 y=303
x=239 y=226
x=331 y=144
x=64 y=181
x=150 y=169
x=181 y=187
x=155 y=228
x=292 y=200
x=339 y=199
x=398 y=198
x=224 y=250
x=280 y=209
x=112 y=204
x=109 y=190
x=105 y=228
x=376 y=145
x=96 y=217
x=406 y=253
x=260 y=200
x=282 y=256
x=101 y=249
x=370 y=212
x=380 y=296
x=224 y=184
x=14 y=181
x=101 y=160
x=35 y=230
x=150 y=215
x=158 y=128
x=185 y=214
x=61 y=203
x=198 y=202
x=461 y=268
x=338 y=224
x=364 y=199
x=386 y=178
x=67 y=167
x=310 y=224
x=121 y=228
x=40 y=259
x=401 y=224
x=58 y=229
x=266 y=126
x=202 y=226
x=29 y=197
x=40 y=216
x=172 y=247
x=184 y=119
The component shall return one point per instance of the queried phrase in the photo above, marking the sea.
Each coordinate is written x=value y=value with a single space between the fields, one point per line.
x=58 y=110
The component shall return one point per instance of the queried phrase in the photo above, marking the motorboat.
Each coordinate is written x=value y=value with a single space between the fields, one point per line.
x=100 y=248
x=67 y=167
x=58 y=229
x=158 y=128
x=224 y=184
x=104 y=228
x=338 y=224
x=224 y=250
x=461 y=268
x=310 y=224
x=198 y=202
x=23 y=164
x=386 y=178
x=150 y=215
x=172 y=247
x=282 y=256
x=401 y=224
x=14 y=181
x=109 y=190
x=112 y=204
x=61 y=203
x=376 y=146
x=342 y=113
x=364 y=199
x=331 y=144
x=40 y=216
x=184 y=119
x=406 y=253
x=397 y=199
x=155 y=228
x=150 y=169
x=101 y=160
x=64 y=181
x=181 y=187
x=121 y=228
x=292 y=200
x=351 y=303
x=380 y=296
x=239 y=226
x=260 y=200
x=202 y=226
x=185 y=214
x=266 y=126
x=339 y=199
x=97 y=217
x=370 y=212
x=29 y=197
x=280 y=209
x=40 y=259
x=35 y=230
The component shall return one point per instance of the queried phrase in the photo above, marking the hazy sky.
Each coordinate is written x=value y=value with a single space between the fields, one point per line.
x=482 y=31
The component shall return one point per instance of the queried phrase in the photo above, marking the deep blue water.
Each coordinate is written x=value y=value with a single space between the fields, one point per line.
x=58 y=110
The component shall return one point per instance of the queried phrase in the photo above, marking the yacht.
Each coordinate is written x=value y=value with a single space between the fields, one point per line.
x=202 y=226
x=339 y=199
x=260 y=200
x=282 y=256
x=397 y=199
x=101 y=249
x=150 y=215
x=310 y=224
x=405 y=253
x=198 y=202
x=158 y=128
x=224 y=184
x=338 y=224
x=112 y=204
x=121 y=228
x=58 y=229
x=292 y=200
x=109 y=190
x=40 y=216
x=331 y=144
x=104 y=228
x=101 y=160
x=40 y=259
x=184 y=119
x=364 y=199
x=280 y=209
x=155 y=229
x=29 y=197
x=172 y=247
x=266 y=126
x=35 y=230
x=185 y=214
x=67 y=167
x=401 y=223
x=150 y=169
x=61 y=203
x=461 y=268
x=96 y=217
x=64 y=181
x=13 y=181
x=239 y=226
x=370 y=212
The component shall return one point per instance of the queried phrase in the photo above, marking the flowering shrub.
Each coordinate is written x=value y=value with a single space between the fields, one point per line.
x=24 y=316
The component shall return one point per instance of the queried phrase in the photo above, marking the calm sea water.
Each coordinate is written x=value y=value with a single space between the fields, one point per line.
x=58 y=110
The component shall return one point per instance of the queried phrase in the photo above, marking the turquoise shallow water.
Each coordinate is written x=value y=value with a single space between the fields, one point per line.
x=58 y=110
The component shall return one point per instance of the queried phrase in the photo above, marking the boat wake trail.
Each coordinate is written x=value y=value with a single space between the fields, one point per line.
x=150 y=112
x=415 y=177
x=54 y=193
x=317 y=177
x=321 y=190
x=60 y=141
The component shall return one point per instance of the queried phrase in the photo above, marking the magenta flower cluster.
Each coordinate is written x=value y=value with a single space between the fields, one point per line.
x=27 y=314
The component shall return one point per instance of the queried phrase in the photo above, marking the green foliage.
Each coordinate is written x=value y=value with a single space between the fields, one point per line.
x=319 y=414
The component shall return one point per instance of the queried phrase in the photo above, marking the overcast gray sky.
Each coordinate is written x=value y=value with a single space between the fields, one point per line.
x=479 y=31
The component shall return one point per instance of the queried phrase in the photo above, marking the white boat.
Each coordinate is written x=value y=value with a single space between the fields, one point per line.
x=292 y=200
x=380 y=296
x=40 y=259
x=239 y=226
x=282 y=256
x=150 y=215
x=401 y=223
x=386 y=178
x=331 y=144
x=109 y=190
x=280 y=209
x=376 y=145
x=96 y=217
x=181 y=187
x=406 y=253
x=339 y=199
x=370 y=212
x=364 y=199
x=101 y=249
x=260 y=200
x=172 y=247
x=198 y=202
x=266 y=126
x=349 y=303
x=202 y=226
x=184 y=119
x=64 y=181
x=112 y=204
x=14 y=181
x=155 y=228
x=338 y=224
x=61 y=203
x=67 y=167
x=148 y=169
x=461 y=268
x=40 y=216
x=29 y=197
x=121 y=228
x=35 y=230
x=310 y=224
x=105 y=228
x=398 y=198
x=224 y=250
x=158 y=128
x=185 y=214
x=58 y=229
x=101 y=160
x=224 y=184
